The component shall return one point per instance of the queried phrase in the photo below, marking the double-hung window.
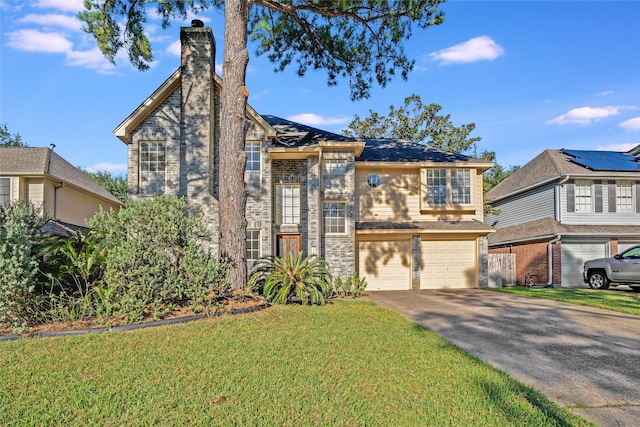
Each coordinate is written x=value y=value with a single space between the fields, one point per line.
x=288 y=204
x=335 y=215
x=447 y=187
x=152 y=167
x=252 y=169
x=333 y=173
x=5 y=190
x=253 y=247
x=583 y=196
x=624 y=196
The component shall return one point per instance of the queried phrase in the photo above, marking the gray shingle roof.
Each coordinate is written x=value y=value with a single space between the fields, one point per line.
x=547 y=227
x=396 y=150
x=38 y=161
x=546 y=166
x=425 y=226
x=292 y=134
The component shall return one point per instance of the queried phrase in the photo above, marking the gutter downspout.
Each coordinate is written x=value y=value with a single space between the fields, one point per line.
x=550 y=258
x=558 y=210
x=55 y=199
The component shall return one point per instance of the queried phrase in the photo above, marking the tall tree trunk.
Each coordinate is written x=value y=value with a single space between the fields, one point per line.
x=233 y=196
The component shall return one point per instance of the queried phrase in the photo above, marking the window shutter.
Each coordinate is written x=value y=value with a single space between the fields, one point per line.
x=571 y=197
x=597 y=190
x=638 y=196
x=612 y=196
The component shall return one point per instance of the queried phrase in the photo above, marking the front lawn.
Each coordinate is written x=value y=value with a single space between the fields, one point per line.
x=623 y=302
x=346 y=364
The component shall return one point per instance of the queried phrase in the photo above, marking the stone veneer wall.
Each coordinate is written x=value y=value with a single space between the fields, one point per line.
x=339 y=250
x=293 y=172
x=259 y=201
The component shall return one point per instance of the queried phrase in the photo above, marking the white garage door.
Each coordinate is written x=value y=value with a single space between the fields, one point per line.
x=448 y=264
x=385 y=264
x=573 y=256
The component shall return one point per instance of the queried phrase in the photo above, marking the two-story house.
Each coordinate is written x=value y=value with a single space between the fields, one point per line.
x=41 y=177
x=402 y=215
x=565 y=207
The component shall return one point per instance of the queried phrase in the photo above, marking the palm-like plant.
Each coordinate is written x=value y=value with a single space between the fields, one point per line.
x=283 y=279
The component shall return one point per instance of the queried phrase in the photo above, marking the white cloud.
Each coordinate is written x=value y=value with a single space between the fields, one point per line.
x=66 y=5
x=259 y=95
x=108 y=167
x=51 y=19
x=587 y=115
x=632 y=125
x=606 y=92
x=92 y=59
x=37 y=41
x=617 y=147
x=174 y=48
x=315 y=120
x=475 y=49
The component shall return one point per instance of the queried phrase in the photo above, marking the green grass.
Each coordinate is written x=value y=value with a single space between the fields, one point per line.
x=623 y=302
x=350 y=363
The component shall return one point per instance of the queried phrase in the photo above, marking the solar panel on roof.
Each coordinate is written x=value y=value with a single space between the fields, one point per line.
x=603 y=160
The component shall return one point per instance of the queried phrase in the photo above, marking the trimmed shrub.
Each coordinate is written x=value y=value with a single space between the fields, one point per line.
x=20 y=234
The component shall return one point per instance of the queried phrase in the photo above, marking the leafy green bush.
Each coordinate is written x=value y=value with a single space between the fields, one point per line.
x=20 y=235
x=288 y=278
x=352 y=286
x=155 y=259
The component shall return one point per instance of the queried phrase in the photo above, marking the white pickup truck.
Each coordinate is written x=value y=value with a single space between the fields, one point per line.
x=621 y=269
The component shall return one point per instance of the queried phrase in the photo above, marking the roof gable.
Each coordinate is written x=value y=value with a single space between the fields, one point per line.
x=124 y=129
x=40 y=161
x=548 y=166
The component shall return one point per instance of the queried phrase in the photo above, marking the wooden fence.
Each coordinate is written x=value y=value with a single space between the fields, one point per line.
x=502 y=270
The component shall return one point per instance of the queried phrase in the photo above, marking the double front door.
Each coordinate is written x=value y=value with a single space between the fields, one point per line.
x=287 y=243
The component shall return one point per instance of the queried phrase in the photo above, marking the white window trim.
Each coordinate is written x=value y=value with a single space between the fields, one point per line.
x=327 y=178
x=141 y=190
x=449 y=205
x=279 y=206
x=10 y=194
x=344 y=218
x=259 y=249
x=579 y=197
x=632 y=198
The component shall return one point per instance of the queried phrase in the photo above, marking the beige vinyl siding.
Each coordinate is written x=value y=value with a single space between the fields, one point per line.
x=76 y=207
x=34 y=191
x=448 y=264
x=398 y=198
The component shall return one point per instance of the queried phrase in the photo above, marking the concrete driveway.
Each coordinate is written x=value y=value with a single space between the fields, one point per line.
x=584 y=358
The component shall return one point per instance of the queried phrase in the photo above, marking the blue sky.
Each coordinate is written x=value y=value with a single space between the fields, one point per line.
x=530 y=75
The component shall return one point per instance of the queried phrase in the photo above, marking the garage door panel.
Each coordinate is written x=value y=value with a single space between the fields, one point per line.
x=573 y=256
x=385 y=264
x=448 y=264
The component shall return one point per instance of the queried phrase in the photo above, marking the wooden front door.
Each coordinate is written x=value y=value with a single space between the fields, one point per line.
x=288 y=243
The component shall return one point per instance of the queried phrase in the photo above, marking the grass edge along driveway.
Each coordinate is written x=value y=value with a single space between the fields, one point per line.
x=349 y=363
x=622 y=302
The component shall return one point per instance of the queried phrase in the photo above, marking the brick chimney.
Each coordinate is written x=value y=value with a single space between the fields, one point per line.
x=197 y=110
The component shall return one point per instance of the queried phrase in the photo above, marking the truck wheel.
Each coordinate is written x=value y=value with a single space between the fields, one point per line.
x=598 y=280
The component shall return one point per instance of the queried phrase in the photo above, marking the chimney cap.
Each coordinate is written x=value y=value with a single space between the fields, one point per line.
x=196 y=23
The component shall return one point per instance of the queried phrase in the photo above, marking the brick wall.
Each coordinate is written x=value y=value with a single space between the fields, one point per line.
x=531 y=258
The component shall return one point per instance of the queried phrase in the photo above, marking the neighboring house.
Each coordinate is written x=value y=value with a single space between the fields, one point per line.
x=565 y=207
x=402 y=215
x=43 y=178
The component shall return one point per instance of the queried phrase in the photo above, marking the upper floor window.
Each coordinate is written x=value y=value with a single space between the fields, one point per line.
x=460 y=186
x=333 y=173
x=448 y=187
x=335 y=215
x=374 y=180
x=436 y=186
x=288 y=204
x=152 y=167
x=583 y=196
x=624 y=196
x=5 y=190
x=253 y=156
